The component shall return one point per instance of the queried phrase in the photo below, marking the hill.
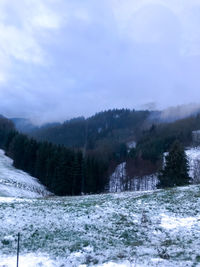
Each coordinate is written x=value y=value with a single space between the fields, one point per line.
x=63 y=171
x=137 y=138
x=111 y=133
x=158 y=228
x=24 y=125
x=118 y=125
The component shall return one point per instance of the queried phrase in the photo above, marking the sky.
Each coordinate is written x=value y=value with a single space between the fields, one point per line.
x=61 y=58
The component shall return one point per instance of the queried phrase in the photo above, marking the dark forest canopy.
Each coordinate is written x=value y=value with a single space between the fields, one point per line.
x=117 y=124
x=109 y=132
x=159 y=137
x=62 y=170
x=176 y=169
x=79 y=155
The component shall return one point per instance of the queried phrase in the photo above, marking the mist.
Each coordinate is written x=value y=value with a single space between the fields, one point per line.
x=180 y=112
x=62 y=59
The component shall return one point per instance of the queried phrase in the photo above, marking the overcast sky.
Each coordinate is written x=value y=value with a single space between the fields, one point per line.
x=65 y=58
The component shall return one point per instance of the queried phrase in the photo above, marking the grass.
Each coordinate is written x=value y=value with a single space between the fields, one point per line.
x=160 y=228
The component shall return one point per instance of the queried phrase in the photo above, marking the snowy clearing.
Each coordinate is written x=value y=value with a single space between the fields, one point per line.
x=160 y=228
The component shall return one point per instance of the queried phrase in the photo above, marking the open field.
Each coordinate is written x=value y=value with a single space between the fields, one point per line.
x=160 y=228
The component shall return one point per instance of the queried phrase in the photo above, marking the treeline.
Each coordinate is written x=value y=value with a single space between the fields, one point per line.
x=103 y=139
x=107 y=133
x=63 y=171
x=159 y=137
x=112 y=126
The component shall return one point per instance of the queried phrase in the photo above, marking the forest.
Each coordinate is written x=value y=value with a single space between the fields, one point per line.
x=78 y=156
x=63 y=171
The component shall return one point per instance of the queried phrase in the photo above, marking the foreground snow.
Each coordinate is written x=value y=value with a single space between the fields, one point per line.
x=16 y=183
x=29 y=260
x=160 y=228
x=38 y=260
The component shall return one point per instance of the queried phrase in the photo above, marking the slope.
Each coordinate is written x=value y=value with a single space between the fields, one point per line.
x=158 y=228
x=16 y=183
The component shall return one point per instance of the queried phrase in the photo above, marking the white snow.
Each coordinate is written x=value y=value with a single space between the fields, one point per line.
x=157 y=228
x=120 y=182
x=16 y=183
x=193 y=155
x=29 y=260
x=174 y=222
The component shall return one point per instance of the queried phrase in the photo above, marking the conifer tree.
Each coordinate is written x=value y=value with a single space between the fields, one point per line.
x=175 y=172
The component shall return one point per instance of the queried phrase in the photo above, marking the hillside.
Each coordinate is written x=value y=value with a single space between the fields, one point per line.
x=137 y=138
x=158 y=228
x=123 y=180
x=117 y=125
x=63 y=171
x=110 y=133
x=16 y=183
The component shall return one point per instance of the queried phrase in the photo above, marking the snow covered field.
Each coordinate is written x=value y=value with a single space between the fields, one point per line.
x=160 y=228
x=16 y=183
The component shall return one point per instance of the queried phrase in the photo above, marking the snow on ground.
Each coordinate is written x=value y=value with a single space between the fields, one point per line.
x=173 y=222
x=160 y=228
x=16 y=183
x=29 y=260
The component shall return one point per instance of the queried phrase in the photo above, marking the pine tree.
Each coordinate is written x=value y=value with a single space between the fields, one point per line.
x=175 y=172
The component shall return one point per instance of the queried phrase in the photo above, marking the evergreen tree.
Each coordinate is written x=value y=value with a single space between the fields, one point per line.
x=175 y=172
x=60 y=169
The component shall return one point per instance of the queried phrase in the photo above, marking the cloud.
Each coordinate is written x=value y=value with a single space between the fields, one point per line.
x=63 y=58
x=20 y=25
x=180 y=112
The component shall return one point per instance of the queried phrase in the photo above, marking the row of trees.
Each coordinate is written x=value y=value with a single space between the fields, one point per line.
x=63 y=171
x=160 y=137
x=112 y=126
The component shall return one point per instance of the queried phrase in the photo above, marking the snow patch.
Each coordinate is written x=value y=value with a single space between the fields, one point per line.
x=174 y=222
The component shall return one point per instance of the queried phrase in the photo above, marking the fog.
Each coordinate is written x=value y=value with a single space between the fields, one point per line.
x=61 y=59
